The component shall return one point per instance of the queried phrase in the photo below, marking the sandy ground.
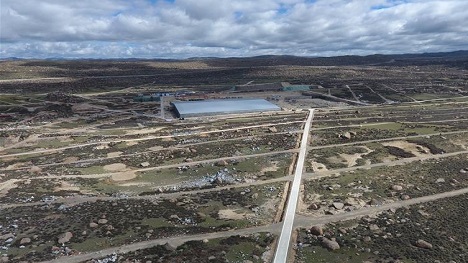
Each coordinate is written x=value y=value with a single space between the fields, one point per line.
x=317 y=167
x=272 y=168
x=102 y=147
x=84 y=107
x=70 y=159
x=351 y=159
x=156 y=148
x=14 y=142
x=114 y=154
x=17 y=165
x=115 y=167
x=124 y=176
x=231 y=214
x=6 y=186
x=414 y=148
x=66 y=186
x=143 y=131
x=131 y=143
x=461 y=143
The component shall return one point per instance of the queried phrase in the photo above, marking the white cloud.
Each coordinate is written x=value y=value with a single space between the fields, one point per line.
x=186 y=28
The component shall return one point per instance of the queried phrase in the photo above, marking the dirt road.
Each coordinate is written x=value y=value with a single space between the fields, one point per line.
x=315 y=175
x=300 y=222
x=385 y=139
x=174 y=241
x=145 y=139
x=306 y=221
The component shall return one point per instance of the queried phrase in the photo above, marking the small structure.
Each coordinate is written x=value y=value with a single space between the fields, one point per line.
x=145 y=98
x=290 y=87
x=259 y=87
x=186 y=109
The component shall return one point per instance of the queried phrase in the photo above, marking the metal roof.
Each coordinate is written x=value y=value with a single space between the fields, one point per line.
x=227 y=106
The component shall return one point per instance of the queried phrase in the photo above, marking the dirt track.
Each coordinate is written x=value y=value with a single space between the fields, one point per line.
x=300 y=221
x=305 y=221
x=145 y=139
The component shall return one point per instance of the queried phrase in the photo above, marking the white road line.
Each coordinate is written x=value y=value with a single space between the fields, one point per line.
x=282 y=249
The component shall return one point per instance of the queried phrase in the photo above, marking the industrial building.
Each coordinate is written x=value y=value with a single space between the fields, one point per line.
x=186 y=109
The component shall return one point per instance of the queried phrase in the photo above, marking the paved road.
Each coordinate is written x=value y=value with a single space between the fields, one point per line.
x=282 y=249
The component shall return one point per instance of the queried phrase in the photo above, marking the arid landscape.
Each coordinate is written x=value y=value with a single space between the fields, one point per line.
x=96 y=166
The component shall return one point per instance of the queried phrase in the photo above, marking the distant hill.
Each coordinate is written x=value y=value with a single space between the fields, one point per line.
x=377 y=59
x=455 y=58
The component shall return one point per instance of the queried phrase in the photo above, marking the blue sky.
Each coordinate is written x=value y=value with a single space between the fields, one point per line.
x=188 y=28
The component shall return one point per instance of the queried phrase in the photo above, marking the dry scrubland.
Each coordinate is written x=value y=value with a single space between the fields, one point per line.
x=86 y=173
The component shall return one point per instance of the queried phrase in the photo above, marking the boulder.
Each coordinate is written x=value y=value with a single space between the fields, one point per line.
x=346 y=135
x=374 y=227
x=272 y=129
x=314 y=206
x=351 y=201
x=316 y=230
x=330 y=244
x=423 y=244
x=25 y=241
x=397 y=187
x=174 y=217
x=102 y=221
x=222 y=163
x=65 y=237
x=405 y=197
x=7 y=236
x=170 y=247
x=330 y=212
x=338 y=205
x=440 y=180
x=93 y=225
x=144 y=164
x=35 y=169
x=375 y=202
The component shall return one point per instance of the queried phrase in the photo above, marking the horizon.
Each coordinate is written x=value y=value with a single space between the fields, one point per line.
x=232 y=57
x=183 y=29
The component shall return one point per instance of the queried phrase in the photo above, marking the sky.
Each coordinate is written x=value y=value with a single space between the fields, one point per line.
x=229 y=28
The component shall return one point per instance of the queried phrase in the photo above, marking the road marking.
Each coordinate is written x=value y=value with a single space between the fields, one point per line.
x=282 y=249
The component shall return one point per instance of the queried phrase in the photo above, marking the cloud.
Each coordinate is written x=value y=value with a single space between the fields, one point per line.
x=186 y=28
